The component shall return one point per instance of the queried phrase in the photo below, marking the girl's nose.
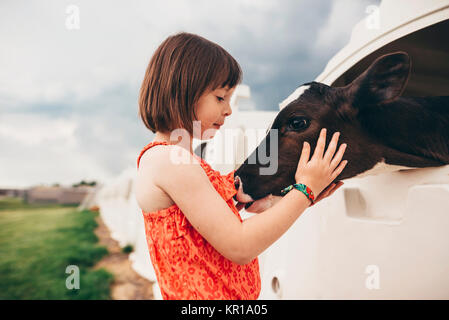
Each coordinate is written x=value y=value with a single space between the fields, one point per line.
x=228 y=110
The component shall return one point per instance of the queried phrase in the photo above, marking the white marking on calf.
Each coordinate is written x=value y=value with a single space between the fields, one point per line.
x=381 y=167
x=295 y=95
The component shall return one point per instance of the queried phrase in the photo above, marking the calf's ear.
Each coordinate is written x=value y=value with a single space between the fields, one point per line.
x=383 y=81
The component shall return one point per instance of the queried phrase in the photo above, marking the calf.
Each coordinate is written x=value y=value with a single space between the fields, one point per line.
x=383 y=131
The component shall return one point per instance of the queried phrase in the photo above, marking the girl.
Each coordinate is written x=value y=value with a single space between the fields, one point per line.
x=199 y=246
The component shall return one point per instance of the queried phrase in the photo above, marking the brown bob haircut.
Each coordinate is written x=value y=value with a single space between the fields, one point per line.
x=182 y=68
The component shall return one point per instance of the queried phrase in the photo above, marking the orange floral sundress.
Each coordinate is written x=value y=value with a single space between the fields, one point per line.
x=186 y=265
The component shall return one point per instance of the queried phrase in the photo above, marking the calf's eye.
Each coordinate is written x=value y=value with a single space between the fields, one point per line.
x=298 y=123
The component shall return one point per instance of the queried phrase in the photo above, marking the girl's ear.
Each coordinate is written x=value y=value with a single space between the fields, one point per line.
x=383 y=81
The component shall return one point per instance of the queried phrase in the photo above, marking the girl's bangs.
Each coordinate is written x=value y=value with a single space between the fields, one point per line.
x=226 y=74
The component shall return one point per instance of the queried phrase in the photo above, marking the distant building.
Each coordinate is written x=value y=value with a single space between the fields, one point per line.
x=59 y=195
x=12 y=193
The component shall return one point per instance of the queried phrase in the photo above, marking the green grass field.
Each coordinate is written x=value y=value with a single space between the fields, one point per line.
x=38 y=242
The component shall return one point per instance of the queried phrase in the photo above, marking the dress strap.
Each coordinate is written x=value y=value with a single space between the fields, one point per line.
x=148 y=146
x=155 y=143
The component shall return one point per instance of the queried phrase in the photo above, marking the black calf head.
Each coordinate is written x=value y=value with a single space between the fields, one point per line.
x=345 y=109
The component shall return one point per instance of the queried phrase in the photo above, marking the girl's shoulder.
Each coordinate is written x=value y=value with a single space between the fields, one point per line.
x=149 y=196
x=161 y=168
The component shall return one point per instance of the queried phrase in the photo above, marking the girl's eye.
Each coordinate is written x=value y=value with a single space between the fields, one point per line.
x=220 y=98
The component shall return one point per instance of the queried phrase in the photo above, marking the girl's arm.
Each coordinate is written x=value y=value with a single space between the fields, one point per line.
x=260 y=231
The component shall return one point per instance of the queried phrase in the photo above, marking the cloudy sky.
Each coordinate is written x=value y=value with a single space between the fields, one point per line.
x=68 y=96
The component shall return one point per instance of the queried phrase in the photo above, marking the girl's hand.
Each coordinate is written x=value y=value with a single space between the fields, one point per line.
x=321 y=170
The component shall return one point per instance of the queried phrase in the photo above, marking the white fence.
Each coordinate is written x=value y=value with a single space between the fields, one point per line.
x=378 y=237
x=123 y=217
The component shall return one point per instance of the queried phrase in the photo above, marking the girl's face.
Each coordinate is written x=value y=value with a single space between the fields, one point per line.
x=212 y=109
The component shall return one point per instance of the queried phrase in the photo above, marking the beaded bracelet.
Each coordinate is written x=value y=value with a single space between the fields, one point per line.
x=301 y=187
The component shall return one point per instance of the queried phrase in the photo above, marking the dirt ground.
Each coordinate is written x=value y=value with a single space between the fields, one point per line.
x=128 y=285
